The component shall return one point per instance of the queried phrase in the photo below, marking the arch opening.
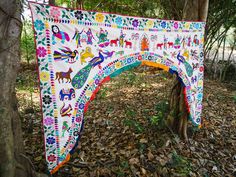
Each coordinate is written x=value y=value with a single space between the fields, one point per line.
x=109 y=72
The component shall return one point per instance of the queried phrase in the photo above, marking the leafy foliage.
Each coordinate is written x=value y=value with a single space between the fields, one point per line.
x=27 y=42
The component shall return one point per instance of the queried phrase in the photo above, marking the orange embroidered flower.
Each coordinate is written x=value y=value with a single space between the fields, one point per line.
x=149 y=23
x=118 y=65
x=99 y=17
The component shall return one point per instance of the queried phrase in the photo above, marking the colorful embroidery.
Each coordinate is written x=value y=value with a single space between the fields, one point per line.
x=78 y=51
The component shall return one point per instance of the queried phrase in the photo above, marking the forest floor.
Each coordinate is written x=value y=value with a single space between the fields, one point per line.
x=125 y=134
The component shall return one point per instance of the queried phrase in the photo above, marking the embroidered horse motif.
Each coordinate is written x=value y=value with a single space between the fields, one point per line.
x=64 y=75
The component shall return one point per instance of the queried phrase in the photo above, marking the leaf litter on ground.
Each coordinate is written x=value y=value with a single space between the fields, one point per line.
x=123 y=135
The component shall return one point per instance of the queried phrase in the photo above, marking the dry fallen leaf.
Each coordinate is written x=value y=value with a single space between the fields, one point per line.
x=150 y=155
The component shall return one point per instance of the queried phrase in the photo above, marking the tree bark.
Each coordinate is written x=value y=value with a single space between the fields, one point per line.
x=51 y=2
x=13 y=162
x=195 y=10
x=10 y=127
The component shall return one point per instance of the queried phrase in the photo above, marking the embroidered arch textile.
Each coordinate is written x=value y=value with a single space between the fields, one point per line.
x=79 y=50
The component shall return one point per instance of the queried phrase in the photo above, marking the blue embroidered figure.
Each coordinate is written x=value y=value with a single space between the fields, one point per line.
x=67 y=94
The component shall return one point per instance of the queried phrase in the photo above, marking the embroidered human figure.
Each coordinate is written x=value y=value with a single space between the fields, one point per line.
x=77 y=37
x=102 y=36
x=165 y=42
x=177 y=42
x=189 y=41
x=184 y=42
x=60 y=35
x=121 y=40
x=195 y=40
x=90 y=37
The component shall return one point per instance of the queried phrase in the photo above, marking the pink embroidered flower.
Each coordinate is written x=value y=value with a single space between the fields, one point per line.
x=51 y=158
x=48 y=121
x=201 y=69
x=78 y=119
x=71 y=146
x=41 y=52
x=140 y=57
x=176 y=25
x=54 y=12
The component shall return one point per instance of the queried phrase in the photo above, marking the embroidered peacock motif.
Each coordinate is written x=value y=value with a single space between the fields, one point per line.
x=80 y=78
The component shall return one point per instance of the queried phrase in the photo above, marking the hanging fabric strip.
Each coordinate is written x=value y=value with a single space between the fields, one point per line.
x=79 y=50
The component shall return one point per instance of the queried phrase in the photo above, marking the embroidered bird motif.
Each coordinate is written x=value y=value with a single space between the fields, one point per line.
x=80 y=78
x=65 y=127
x=180 y=58
x=108 y=54
x=188 y=67
x=65 y=54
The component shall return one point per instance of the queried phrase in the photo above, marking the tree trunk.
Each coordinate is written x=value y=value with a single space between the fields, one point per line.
x=51 y=2
x=79 y=4
x=13 y=161
x=195 y=10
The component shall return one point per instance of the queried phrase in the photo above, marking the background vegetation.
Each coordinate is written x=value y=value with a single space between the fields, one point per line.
x=122 y=140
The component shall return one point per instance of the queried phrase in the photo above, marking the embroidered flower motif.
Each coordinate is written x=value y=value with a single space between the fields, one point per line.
x=43 y=11
x=176 y=25
x=198 y=120
x=118 y=65
x=76 y=133
x=88 y=93
x=51 y=140
x=163 y=24
x=129 y=60
x=81 y=105
x=118 y=20
x=135 y=23
x=99 y=17
x=41 y=52
x=149 y=23
x=196 y=25
x=79 y=15
x=78 y=119
x=44 y=76
x=70 y=146
x=201 y=69
x=51 y=158
x=39 y=25
x=55 y=13
x=187 y=25
x=107 y=72
x=201 y=54
x=47 y=99
x=199 y=96
x=140 y=57
x=97 y=81
x=48 y=121
x=150 y=57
